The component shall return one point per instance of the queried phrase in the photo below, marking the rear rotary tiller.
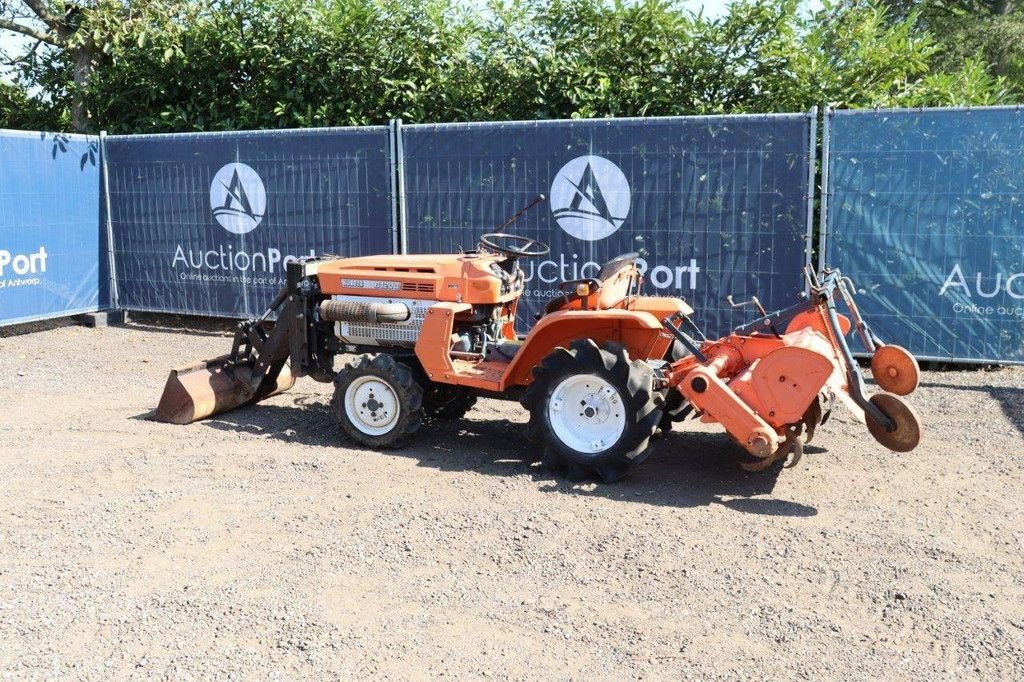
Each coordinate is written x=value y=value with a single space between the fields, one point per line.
x=771 y=390
x=600 y=371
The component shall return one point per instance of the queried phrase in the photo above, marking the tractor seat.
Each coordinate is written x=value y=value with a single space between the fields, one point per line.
x=504 y=351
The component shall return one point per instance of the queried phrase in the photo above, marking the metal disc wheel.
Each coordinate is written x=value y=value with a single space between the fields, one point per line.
x=895 y=370
x=586 y=413
x=592 y=410
x=377 y=401
x=371 y=405
x=907 y=432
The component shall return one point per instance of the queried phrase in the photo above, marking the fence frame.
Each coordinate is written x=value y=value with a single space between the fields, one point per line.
x=232 y=133
x=826 y=197
x=398 y=185
x=114 y=303
x=812 y=153
x=99 y=307
x=825 y=193
x=812 y=160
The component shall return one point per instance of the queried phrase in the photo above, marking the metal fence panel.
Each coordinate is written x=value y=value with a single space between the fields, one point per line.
x=203 y=223
x=924 y=212
x=720 y=204
x=50 y=242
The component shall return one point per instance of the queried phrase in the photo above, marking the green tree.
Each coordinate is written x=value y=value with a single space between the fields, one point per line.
x=71 y=39
x=20 y=111
x=288 y=63
x=988 y=30
x=159 y=65
x=858 y=55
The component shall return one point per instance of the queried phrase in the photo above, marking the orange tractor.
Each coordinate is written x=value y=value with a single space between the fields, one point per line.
x=600 y=371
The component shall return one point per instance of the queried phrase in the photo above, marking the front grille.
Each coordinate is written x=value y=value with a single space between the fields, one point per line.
x=417 y=286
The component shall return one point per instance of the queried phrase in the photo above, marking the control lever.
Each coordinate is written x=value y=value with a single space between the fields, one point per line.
x=753 y=301
x=760 y=308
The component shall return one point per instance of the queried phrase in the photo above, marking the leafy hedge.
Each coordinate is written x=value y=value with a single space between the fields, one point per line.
x=221 y=65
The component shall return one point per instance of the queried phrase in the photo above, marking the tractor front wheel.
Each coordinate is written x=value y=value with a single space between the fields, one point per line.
x=377 y=401
x=593 y=409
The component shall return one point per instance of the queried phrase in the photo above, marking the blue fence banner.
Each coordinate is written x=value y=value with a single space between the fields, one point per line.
x=203 y=223
x=924 y=212
x=50 y=245
x=716 y=205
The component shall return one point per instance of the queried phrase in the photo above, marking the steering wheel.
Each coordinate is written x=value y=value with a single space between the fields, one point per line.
x=514 y=245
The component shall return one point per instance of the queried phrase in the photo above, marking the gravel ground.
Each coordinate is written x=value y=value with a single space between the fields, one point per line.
x=261 y=543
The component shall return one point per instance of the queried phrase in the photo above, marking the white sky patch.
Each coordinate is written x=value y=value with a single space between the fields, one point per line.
x=14 y=45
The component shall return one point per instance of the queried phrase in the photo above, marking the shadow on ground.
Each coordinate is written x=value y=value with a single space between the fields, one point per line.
x=683 y=470
x=181 y=324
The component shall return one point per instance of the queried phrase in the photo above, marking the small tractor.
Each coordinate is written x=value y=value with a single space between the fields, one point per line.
x=601 y=370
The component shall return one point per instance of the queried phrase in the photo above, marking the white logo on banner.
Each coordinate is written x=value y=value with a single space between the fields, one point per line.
x=238 y=198
x=25 y=268
x=590 y=198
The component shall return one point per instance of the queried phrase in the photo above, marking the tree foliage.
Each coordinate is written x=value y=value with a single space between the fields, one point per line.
x=157 y=65
x=21 y=112
x=989 y=31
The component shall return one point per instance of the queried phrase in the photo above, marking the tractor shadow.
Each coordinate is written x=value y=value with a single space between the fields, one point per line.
x=693 y=469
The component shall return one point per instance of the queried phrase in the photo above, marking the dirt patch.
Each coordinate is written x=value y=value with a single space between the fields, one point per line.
x=262 y=542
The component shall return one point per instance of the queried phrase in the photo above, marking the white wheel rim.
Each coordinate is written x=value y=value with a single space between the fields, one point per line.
x=586 y=413
x=371 y=405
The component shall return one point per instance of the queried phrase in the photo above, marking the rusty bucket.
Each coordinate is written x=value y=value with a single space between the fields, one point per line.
x=210 y=387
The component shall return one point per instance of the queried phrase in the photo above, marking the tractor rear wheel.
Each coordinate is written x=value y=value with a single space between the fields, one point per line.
x=377 y=401
x=592 y=409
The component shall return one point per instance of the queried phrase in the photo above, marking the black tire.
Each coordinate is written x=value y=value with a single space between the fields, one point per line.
x=633 y=382
x=676 y=407
x=406 y=392
x=446 y=402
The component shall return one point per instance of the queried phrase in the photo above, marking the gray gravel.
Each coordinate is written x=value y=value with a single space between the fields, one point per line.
x=261 y=543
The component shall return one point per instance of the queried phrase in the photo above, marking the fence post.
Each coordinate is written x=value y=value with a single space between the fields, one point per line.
x=812 y=158
x=115 y=302
x=393 y=169
x=403 y=229
x=826 y=191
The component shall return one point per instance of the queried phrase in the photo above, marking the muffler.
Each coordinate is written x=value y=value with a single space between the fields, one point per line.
x=373 y=312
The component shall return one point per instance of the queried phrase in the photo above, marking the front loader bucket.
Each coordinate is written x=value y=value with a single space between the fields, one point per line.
x=197 y=391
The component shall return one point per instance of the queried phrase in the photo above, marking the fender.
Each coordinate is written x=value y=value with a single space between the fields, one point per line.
x=638 y=331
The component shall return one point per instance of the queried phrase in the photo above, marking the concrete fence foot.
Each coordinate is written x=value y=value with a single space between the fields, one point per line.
x=109 y=318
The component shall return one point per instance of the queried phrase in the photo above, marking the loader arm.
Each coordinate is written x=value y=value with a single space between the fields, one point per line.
x=264 y=359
